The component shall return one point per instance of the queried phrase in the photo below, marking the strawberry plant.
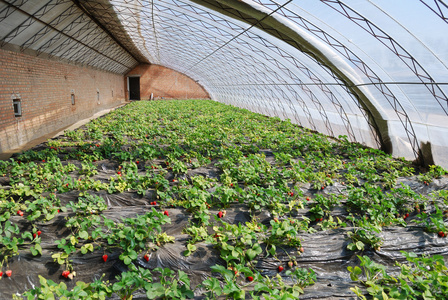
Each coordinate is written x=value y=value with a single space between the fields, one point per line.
x=244 y=161
x=424 y=277
x=434 y=172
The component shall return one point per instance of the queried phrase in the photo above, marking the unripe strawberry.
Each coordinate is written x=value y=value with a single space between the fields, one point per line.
x=290 y=264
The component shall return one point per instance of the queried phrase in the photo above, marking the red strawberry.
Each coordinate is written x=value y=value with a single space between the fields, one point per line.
x=97 y=145
x=441 y=234
x=231 y=184
x=220 y=214
x=280 y=268
x=166 y=213
x=20 y=213
x=146 y=257
x=8 y=273
x=34 y=235
x=307 y=198
x=174 y=180
x=43 y=160
x=323 y=187
x=250 y=278
x=105 y=257
x=1 y=274
x=65 y=274
x=118 y=172
x=407 y=215
x=137 y=162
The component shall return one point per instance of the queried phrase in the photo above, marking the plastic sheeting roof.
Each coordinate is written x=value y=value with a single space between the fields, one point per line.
x=374 y=70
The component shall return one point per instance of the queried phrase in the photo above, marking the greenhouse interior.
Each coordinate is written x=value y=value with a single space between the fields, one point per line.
x=223 y=149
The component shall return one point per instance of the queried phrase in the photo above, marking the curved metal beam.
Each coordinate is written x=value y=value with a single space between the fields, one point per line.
x=260 y=19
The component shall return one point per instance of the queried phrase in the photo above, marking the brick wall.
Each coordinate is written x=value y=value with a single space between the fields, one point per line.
x=44 y=88
x=165 y=82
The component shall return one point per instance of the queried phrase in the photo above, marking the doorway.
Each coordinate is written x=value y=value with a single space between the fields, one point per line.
x=134 y=88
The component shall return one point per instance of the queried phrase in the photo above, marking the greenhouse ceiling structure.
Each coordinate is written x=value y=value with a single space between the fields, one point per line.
x=375 y=71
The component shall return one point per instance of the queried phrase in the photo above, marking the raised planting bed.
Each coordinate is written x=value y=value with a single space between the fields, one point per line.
x=196 y=199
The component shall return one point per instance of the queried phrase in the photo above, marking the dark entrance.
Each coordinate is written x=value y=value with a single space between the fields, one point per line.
x=134 y=88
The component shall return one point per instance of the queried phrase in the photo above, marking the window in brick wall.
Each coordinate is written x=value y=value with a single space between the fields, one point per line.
x=16 y=103
x=73 y=98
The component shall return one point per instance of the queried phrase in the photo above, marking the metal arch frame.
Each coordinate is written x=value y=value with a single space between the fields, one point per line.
x=8 y=10
x=439 y=11
x=220 y=31
x=102 y=11
x=246 y=13
x=106 y=61
x=232 y=60
x=244 y=73
x=32 y=18
x=393 y=46
x=362 y=66
x=311 y=75
x=93 y=18
x=251 y=48
x=326 y=91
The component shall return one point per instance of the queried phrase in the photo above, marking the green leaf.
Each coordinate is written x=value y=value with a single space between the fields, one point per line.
x=27 y=235
x=156 y=291
x=184 y=278
x=83 y=235
x=251 y=254
x=359 y=245
x=38 y=248
x=127 y=260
